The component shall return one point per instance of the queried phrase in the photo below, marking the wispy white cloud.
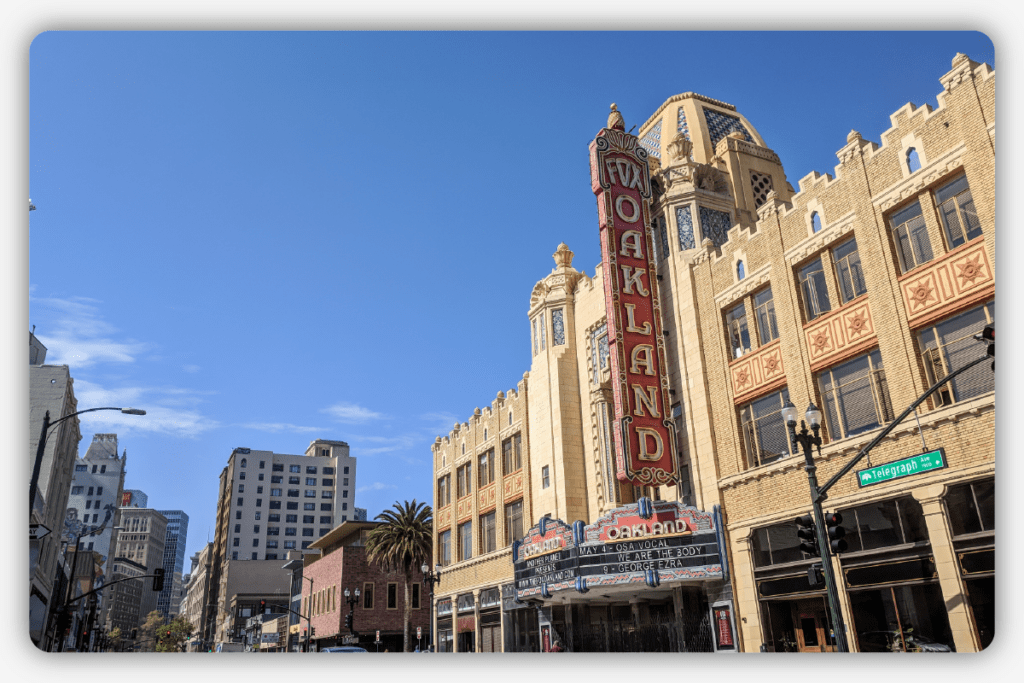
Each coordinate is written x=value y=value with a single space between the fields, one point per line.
x=386 y=444
x=275 y=427
x=77 y=335
x=169 y=410
x=439 y=423
x=375 y=486
x=350 y=412
x=190 y=368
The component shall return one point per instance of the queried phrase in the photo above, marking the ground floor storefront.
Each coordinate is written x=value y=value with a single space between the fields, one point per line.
x=918 y=575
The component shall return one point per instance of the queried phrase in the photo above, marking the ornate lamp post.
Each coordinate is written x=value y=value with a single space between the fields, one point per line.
x=351 y=610
x=431 y=578
x=806 y=440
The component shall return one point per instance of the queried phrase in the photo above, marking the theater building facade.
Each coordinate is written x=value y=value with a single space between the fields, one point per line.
x=854 y=292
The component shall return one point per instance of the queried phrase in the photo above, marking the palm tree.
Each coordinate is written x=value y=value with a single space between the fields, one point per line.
x=400 y=544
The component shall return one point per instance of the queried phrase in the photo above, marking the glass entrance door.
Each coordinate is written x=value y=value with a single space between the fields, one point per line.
x=811 y=626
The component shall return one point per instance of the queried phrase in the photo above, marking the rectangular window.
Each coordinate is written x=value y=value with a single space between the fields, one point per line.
x=326 y=482
x=764 y=313
x=509 y=460
x=392 y=596
x=271 y=544
x=465 y=541
x=291 y=519
x=277 y=468
x=81 y=468
x=289 y=545
x=415 y=596
x=255 y=544
x=848 y=271
x=235 y=541
x=971 y=507
x=290 y=531
x=344 y=506
x=76 y=490
x=273 y=531
x=326 y=507
x=897 y=521
x=275 y=505
x=257 y=516
x=238 y=528
x=241 y=476
x=950 y=345
x=259 y=489
x=307 y=532
x=910 y=237
x=262 y=463
x=292 y=506
x=310 y=481
x=513 y=522
x=344 y=494
x=275 y=492
x=814 y=290
x=367 y=596
x=309 y=506
x=956 y=208
x=238 y=514
x=345 y=482
x=308 y=519
x=488 y=534
x=444 y=493
x=293 y=480
x=310 y=469
x=765 y=435
x=328 y=470
x=346 y=470
x=234 y=555
x=444 y=548
x=309 y=493
x=736 y=329
x=325 y=519
x=276 y=479
x=330 y=494
x=855 y=396
x=293 y=493
x=545 y=477
x=241 y=488
x=486 y=470
x=324 y=532
x=464 y=480
x=91 y=488
x=240 y=502
x=294 y=468
x=274 y=517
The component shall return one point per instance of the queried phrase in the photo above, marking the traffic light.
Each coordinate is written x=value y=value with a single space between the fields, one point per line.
x=807 y=534
x=135 y=632
x=158 y=579
x=263 y=606
x=815 y=576
x=312 y=631
x=989 y=335
x=834 y=526
x=348 y=621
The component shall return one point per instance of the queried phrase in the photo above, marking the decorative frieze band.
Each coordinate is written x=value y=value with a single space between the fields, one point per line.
x=959 y=278
x=840 y=334
x=757 y=372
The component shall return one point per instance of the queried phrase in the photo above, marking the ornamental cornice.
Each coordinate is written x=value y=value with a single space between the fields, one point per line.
x=740 y=145
x=679 y=98
x=821 y=239
x=744 y=286
x=921 y=178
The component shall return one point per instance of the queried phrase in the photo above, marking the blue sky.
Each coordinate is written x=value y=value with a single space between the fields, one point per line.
x=267 y=238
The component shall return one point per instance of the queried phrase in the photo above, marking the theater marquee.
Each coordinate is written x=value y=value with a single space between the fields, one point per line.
x=644 y=543
x=644 y=435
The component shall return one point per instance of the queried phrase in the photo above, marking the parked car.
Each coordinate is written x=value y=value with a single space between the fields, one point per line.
x=346 y=648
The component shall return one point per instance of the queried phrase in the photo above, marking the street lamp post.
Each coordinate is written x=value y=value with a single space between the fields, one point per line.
x=431 y=578
x=41 y=448
x=806 y=441
x=64 y=619
x=351 y=600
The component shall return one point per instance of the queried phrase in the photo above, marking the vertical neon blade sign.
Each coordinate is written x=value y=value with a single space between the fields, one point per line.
x=644 y=434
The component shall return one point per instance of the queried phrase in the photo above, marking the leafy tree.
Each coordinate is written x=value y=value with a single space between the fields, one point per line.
x=172 y=637
x=115 y=637
x=150 y=631
x=402 y=543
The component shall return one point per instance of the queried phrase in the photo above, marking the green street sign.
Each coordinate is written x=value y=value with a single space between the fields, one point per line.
x=917 y=464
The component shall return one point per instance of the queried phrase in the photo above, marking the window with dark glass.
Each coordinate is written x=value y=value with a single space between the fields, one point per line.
x=776 y=544
x=308 y=519
x=444 y=492
x=293 y=480
x=464 y=479
x=294 y=468
x=293 y=506
x=736 y=328
x=513 y=522
x=415 y=596
x=765 y=435
x=488 y=533
x=813 y=290
x=848 y=271
x=910 y=237
x=465 y=541
x=367 y=596
x=277 y=468
x=392 y=596
x=956 y=208
x=326 y=507
x=971 y=507
x=276 y=479
x=444 y=548
x=950 y=345
x=764 y=313
x=855 y=396
x=897 y=521
x=486 y=470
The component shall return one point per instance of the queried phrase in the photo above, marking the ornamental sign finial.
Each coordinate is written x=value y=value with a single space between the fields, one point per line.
x=615 y=120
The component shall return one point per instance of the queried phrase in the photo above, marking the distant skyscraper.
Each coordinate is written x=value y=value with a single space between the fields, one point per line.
x=142 y=542
x=174 y=562
x=359 y=515
x=134 y=498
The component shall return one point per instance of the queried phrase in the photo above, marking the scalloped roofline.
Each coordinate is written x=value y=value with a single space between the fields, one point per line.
x=686 y=96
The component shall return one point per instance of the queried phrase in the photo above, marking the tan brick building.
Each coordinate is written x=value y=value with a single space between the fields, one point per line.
x=855 y=292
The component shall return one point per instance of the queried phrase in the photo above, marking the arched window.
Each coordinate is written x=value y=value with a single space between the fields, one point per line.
x=913 y=163
x=510 y=417
x=815 y=222
x=243 y=462
x=740 y=270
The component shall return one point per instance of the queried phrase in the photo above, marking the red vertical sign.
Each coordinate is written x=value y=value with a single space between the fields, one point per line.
x=644 y=434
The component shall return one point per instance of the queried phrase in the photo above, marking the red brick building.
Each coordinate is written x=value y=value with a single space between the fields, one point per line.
x=342 y=564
